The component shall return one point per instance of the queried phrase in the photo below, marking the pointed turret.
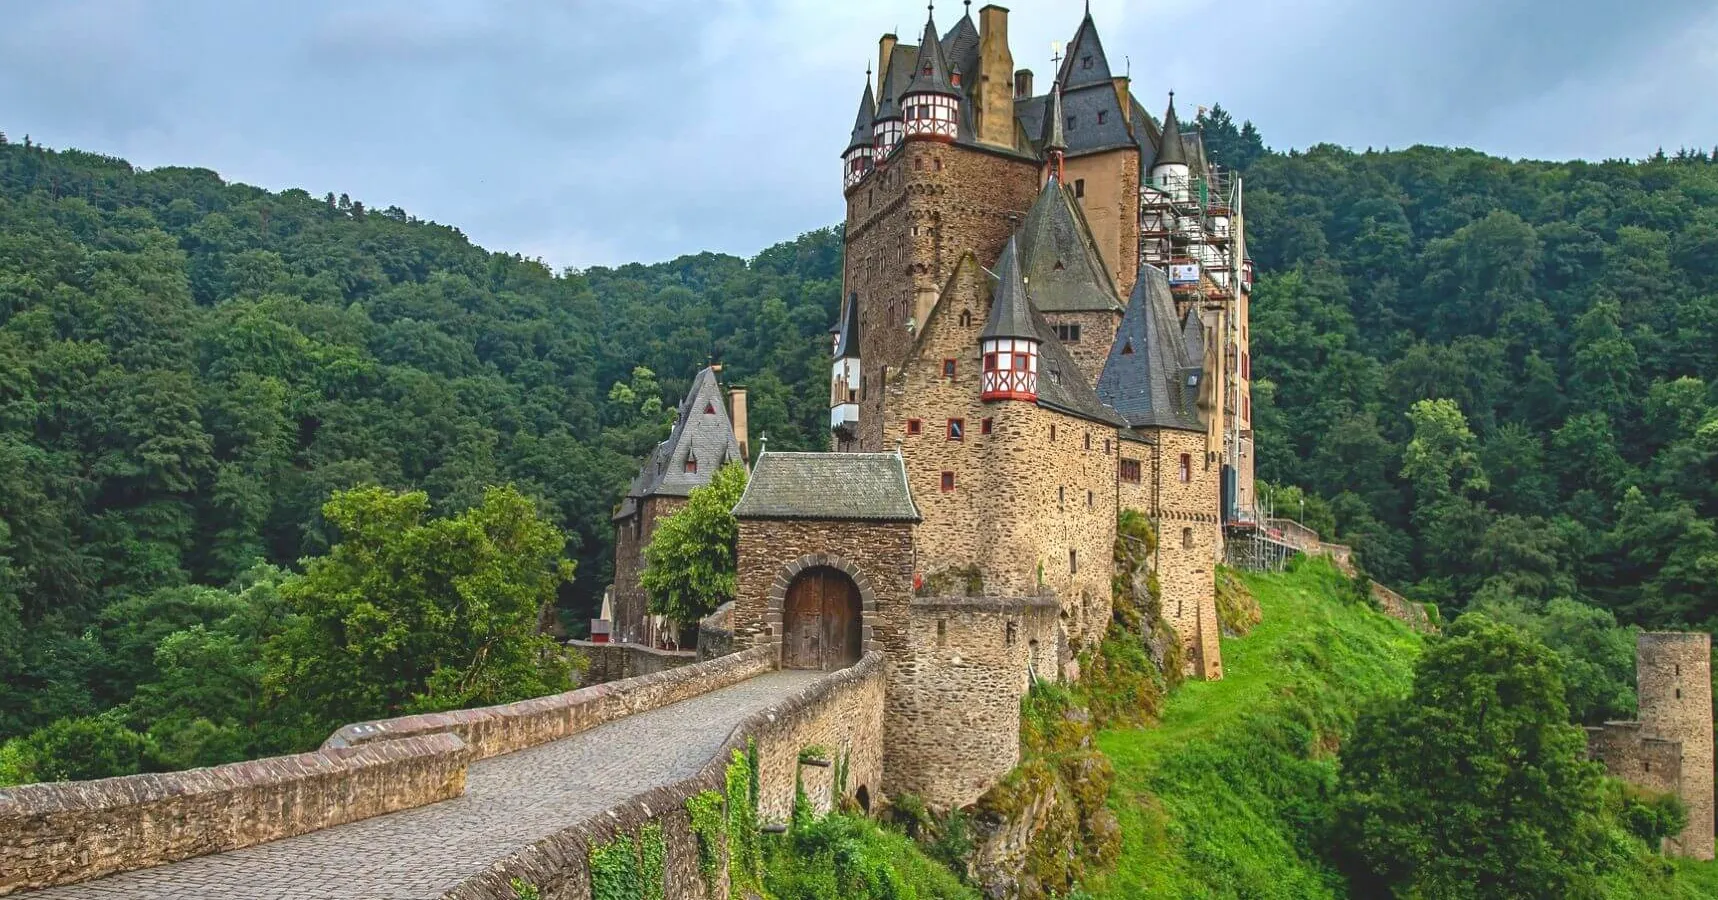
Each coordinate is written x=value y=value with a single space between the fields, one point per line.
x=1054 y=139
x=1059 y=256
x=857 y=160
x=1010 y=339
x=930 y=103
x=1170 y=150
x=1085 y=62
x=960 y=46
x=887 y=126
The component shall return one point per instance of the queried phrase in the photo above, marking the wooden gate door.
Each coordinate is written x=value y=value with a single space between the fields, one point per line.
x=820 y=622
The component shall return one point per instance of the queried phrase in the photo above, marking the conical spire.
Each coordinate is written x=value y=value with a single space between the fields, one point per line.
x=1170 y=150
x=1010 y=310
x=1055 y=138
x=930 y=72
x=1085 y=62
x=888 y=95
x=1148 y=378
x=864 y=122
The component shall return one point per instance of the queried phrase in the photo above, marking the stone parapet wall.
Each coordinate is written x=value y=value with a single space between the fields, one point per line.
x=61 y=833
x=716 y=632
x=615 y=661
x=1402 y=609
x=841 y=713
x=493 y=730
x=1632 y=756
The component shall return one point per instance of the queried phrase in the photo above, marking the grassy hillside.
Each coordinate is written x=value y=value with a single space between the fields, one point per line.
x=1217 y=800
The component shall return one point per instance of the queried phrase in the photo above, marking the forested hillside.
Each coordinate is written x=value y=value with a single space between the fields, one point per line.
x=189 y=369
x=1567 y=316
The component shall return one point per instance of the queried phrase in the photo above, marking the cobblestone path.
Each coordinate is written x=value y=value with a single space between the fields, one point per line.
x=510 y=801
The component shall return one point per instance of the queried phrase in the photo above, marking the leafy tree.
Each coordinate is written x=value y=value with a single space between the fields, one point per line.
x=690 y=566
x=1475 y=784
x=75 y=750
x=412 y=614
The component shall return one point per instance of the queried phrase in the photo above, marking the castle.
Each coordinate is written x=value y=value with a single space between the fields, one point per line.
x=1044 y=323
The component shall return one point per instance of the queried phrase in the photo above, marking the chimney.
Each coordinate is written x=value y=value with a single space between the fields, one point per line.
x=737 y=414
x=1022 y=84
x=995 y=65
x=885 y=49
x=1124 y=98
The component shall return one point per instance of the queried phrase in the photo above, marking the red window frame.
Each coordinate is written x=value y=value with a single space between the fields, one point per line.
x=1186 y=468
x=947 y=482
x=1130 y=470
x=957 y=429
x=948 y=367
x=984 y=426
x=914 y=426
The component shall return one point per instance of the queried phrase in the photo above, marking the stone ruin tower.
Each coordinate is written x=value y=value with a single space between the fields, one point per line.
x=1669 y=748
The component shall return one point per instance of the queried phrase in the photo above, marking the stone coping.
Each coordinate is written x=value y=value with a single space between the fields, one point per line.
x=564 y=856
x=959 y=604
x=631 y=647
x=494 y=730
x=65 y=832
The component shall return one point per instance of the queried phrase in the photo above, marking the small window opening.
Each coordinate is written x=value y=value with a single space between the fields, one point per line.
x=691 y=465
x=948 y=482
x=965 y=317
x=948 y=368
x=957 y=429
x=1073 y=561
x=942 y=632
x=1079 y=187
x=1052 y=433
x=709 y=409
x=914 y=426
x=1061 y=495
x=1012 y=633
x=1187 y=539
x=1086 y=61
x=1089 y=499
x=1679 y=693
x=1088 y=440
x=984 y=426
x=1186 y=467
x=1102 y=115
x=1072 y=121
x=1127 y=348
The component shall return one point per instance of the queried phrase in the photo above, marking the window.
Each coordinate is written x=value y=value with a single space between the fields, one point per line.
x=691 y=465
x=1130 y=471
x=1102 y=115
x=1246 y=365
x=914 y=426
x=1086 y=61
x=957 y=429
x=1679 y=693
x=1069 y=333
x=1073 y=561
x=984 y=426
x=948 y=368
x=1072 y=121
x=937 y=164
x=1061 y=496
x=1052 y=433
x=1080 y=186
x=709 y=409
x=965 y=318
x=1012 y=633
x=1186 y=467
x=918 y=166
x=1088 y=440
x=948 y=482
x=1106 y=448
x=1089 y=499
x=942 y=632
x=1187 y=539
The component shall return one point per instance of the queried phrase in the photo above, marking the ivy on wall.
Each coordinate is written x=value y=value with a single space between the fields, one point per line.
x=630 y=867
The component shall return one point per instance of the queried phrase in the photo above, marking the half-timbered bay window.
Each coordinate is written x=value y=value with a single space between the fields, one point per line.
x=1010 y=369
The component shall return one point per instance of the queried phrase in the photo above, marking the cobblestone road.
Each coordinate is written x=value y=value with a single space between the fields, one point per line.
x=510 y=801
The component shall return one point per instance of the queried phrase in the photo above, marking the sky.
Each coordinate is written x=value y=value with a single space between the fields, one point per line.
x=593 y=133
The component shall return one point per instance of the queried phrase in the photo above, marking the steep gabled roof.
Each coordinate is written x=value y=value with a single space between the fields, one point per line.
x=1146 y=376
x=705 y=437
x=1193 y=337
x=863 y=123
x=1085 y=62
x=930 y=72
x=1061 y=384
x=847 y=337
x=840 y=486
x=1010 y=311
x=1060 y=257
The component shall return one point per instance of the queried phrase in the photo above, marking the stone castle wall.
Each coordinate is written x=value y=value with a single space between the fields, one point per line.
x=631 y=536
x=1673 y=674
x=1110 y=202
x=615 y=661
x=60 y=833
x=1189 y=537
x=1097 y=335
x=841 y=714
x=878 y=555
x=955 y=690
x=1630 y=755
x=907 y=225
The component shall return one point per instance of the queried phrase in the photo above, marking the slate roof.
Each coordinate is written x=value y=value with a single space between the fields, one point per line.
x=1060 y=256
x=847 y=337
x=1061 y=384
x=1170 y=149
x=1010 y=310
x=841 y=486
x=1193 y=338
x=930 y=72
x=863 y=125
x=708 y=438
x=960 y=48
x=1145 y=378
x=893 y=81
x=1085 y=62
x=1052 y=135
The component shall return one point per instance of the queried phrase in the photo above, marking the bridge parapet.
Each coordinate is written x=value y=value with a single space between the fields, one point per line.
x=841 y=713
x=493 y=730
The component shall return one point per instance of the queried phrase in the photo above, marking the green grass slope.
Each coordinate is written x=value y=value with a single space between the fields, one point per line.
x=1219 y=799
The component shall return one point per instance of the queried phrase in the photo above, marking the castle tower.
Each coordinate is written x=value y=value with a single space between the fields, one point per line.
x=1009 y=341
x=1169 y=170
x=1673 y=672
x=856 y=161
x=846 y=379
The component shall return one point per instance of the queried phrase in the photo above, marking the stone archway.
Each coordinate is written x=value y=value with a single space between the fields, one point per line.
x=821 y=621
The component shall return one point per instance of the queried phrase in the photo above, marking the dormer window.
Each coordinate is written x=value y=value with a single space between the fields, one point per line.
x=1073 y=121
x=1086 y=61
x=1102 y=115
x=691 y=465
x=709 y=409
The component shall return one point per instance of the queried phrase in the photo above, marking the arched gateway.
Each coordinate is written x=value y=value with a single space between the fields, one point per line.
x=821 y=626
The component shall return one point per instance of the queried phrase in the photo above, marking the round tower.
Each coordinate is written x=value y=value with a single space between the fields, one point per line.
x=856 y=160
x=1673 y=671
x=1169 y=170
x=930 y=104
x=1009 y=340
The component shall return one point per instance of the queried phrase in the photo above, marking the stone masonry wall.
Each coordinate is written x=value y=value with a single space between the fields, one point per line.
x=908 y=223
x=614 y=661
x=61 y=833
x=631 y=536
x=841 y=713
x=1633 y=757
x=878 y=554
x=955 y=690
x=1110 y=202
x=1040 y=484
x=1673 y=675
x=1097 y=335
x=493 y=730
x=1189 y=538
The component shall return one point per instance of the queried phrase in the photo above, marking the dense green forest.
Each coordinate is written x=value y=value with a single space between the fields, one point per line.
x=1495 y=378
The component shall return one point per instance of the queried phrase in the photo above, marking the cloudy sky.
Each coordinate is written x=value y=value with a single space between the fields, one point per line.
x=595 y=133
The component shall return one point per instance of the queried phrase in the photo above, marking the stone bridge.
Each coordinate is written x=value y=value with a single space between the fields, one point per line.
x=455 y=805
